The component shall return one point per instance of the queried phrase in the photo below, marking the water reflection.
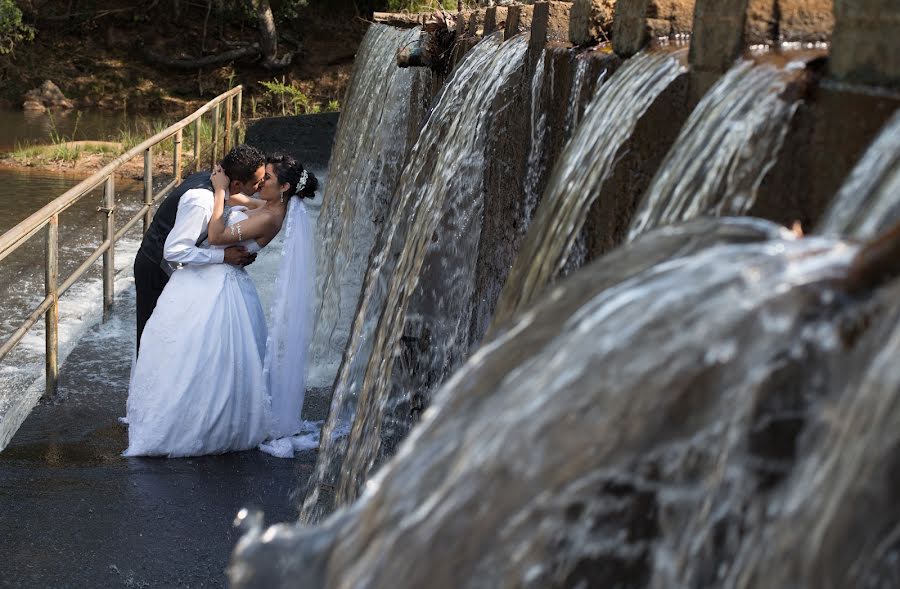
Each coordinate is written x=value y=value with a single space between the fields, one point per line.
x=25 y=127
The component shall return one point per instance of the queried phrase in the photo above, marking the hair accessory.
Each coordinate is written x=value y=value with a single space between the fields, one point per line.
x=301 y=183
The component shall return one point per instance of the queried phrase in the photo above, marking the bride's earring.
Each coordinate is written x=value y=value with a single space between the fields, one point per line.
x=282 y=196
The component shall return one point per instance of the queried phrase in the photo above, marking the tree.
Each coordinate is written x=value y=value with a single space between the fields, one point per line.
x=268 y=36
x=12 y=29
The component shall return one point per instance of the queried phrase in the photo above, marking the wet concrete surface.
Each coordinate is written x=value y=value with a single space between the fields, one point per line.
x=74 y=513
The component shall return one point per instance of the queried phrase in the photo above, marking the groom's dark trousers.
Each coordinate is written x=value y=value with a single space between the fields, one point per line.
x=149 y=277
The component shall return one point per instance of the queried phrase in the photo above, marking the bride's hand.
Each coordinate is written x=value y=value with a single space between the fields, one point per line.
x=218 y=178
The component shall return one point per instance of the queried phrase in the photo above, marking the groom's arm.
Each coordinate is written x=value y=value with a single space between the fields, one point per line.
x=190 y=221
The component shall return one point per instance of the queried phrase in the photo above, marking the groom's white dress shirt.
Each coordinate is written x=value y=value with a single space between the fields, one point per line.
x=191 y=220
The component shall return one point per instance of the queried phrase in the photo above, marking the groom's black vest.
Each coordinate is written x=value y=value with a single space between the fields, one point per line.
x=155 y=239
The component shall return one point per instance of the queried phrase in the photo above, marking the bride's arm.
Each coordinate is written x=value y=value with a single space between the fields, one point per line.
x=260 y=227
x=245 y=201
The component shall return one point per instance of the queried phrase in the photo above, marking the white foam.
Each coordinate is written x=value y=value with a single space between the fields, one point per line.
x=80 y=309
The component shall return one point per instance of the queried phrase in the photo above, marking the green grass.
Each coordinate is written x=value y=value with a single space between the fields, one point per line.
x=132 y=133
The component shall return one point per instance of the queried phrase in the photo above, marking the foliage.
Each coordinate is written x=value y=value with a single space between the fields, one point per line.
x=290 y=9
x=12 y=29
x=412 y=5
x=423 y=5
x=292 y=100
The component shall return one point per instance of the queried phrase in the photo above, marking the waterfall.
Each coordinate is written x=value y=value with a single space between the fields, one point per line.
x=834 y=523
x=725 y=149
x=652 y=421
x=382 y=114
x=546 y=143
x=432 y=233
x=580 y=173
x=576 y=107
x=869 y=201
x=539 y=112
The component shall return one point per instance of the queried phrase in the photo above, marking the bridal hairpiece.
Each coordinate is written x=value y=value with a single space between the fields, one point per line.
x=301 y=183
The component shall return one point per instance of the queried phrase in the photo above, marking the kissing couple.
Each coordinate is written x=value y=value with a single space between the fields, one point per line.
x=208 y=376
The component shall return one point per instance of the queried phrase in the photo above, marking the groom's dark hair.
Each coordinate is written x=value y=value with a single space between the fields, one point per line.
x=242 y=162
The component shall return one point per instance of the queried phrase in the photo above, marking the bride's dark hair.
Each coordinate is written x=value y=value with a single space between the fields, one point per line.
x=290 y=171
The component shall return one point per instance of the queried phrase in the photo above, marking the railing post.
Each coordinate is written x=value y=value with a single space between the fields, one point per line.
x=109 y=232
x=197 y=144
x=215 y=141
x=240 y=99
x=228 y=129
x=148 y=187
x=51 y=317
x=176 y=163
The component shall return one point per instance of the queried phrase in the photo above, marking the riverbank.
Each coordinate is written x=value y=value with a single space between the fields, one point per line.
x=83 y=158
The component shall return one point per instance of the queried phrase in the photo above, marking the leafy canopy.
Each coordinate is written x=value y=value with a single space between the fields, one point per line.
x=12 y=29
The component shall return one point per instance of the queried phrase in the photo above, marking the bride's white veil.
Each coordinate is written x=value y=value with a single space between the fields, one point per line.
x=291 y=323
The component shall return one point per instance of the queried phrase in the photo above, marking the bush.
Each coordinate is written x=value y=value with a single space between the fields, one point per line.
x=12 y=29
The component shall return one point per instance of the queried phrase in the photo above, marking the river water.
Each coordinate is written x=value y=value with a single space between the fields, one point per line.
x=22 y=272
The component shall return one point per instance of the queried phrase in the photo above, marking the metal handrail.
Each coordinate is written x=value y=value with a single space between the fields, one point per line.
x=48 y=216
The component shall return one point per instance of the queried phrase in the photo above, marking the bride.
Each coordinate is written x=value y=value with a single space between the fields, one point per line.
x=206 y=380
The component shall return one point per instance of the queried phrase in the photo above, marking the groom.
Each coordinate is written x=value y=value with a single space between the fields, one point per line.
x=180 y=224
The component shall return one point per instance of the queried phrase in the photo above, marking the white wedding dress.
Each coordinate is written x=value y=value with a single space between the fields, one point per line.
x=198 y=385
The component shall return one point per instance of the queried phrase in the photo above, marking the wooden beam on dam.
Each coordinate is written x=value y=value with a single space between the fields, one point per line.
x=590 y=21
x=860 y=92
x=637 y=22
x=518 y=20
x=866 y=48
x=723 y=30
x=494 y=19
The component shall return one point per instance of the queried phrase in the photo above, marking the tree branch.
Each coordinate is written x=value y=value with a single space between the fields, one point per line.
x=193 y=64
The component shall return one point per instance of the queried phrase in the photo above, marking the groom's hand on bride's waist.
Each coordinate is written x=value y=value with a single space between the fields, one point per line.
x=238 y=255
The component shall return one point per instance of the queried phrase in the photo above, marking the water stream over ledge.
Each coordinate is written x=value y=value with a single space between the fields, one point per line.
x=560 y=454
x=437 y=189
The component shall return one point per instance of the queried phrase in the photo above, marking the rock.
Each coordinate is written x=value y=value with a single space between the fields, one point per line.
x=590 y=21
x=33 y=105
x=47 y=96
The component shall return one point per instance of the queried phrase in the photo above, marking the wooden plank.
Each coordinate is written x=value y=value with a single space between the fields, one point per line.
x=228 y=127
x=213 y=156
x=109 y=230
x=197 y=145
x=400 y=20
x=176 y=161
x=148 y=186
x=51 y=317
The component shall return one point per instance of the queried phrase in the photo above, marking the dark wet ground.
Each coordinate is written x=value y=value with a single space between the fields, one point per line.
x=74 y=513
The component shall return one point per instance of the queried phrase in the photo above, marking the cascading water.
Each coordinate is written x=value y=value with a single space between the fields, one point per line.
x=563 y=454
x=546 y=143
x=725 y=149
x=440 y=196
x=834 y=524
x=536 y=163
x=576 y=107
x=869 y=201
x=581 y=171
x=386 y=106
